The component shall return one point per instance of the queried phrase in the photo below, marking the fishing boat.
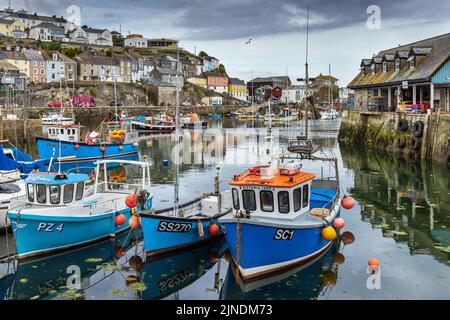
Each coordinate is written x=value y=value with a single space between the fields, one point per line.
x=188 y=224
x=284 y=116
x=153 y=125
x=63 y=211
x=13 y=164
x=192 y=121
x=329 y=114
x=65 y=144
x=215 y=116
x=53 y=118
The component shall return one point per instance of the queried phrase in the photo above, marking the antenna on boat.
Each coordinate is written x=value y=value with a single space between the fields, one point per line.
x=177 y=136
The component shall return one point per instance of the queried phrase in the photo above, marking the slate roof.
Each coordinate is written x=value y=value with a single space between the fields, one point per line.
x=93 y=30
x=236 y=81
x=22 y=15
x=282 y=79
x=7 y=66
x=48 y=25
x=438 y=49
x=6 y=21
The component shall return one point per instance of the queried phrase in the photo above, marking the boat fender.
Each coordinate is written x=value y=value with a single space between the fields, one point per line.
x=416 y=144
x=201 y=233
x=401 y=142
x=418 y=128
x=402 y=125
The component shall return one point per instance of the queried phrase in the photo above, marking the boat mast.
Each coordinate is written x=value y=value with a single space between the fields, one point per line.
x=60 y=120
x=177 y=138
x=329 y=86
x=306 y=72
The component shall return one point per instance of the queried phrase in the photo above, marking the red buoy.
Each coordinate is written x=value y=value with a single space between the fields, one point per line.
x=120 y=219
x=131 y=200
x=77 y=146
x=338 y=223
x=347 y=238
x=348 y=203
x=338 y=258
x=102 y=149
x=213 y=229
x=134 y=222
x=373 y=262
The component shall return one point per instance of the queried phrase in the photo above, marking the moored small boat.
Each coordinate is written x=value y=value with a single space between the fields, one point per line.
x=54 y=118
x=64 y=211
x=64 y=143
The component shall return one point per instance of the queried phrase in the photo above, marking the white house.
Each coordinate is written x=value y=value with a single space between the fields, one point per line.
x=56 y=67
x=136 y=41
x=46 y=31
x=91 y=36
x=33 y=19
x=293 y=94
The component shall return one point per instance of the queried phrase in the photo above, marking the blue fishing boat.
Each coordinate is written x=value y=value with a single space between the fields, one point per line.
x=278 y=215
x=63 y=211
x=65 y=144
x=215 y=116
x=171 y=229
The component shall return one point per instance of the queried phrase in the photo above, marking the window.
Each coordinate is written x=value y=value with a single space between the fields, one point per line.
x=248 y=197
x=384 y=67
x=283 y=202
x=235 y=199
x=397 y=64
x=80 y=189
x=55 y=194
x=266 y=201
x=412 y=64
x=305 y=195
x=41 y=193
x=68 y=193
x=297 y=199
x=30 y=191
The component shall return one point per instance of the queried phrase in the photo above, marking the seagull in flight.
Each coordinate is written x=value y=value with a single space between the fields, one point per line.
x=249 y=41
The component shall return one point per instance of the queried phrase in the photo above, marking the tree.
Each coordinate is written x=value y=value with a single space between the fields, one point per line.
x=221 y=69
x=202 y=54
x=108 y=53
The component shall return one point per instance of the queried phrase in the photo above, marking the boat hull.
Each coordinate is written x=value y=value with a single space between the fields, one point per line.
x=195 y=125
x=164 y=234
x=69 y=153
x=264 y=249
x=37 y=235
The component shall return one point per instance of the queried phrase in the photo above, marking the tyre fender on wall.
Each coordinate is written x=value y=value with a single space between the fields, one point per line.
x=417 y=129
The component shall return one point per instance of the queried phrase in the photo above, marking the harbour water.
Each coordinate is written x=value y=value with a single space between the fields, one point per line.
x=402 y=219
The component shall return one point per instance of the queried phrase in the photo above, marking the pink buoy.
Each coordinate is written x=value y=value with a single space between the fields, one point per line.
x=348 y=203
x=339 y=223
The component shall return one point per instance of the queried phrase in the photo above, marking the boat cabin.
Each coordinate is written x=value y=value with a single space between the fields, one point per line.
x=55 y=188
x=269 y=191
x=70 y=133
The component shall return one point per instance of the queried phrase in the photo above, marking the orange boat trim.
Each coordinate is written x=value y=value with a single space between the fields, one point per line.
x=277 y=181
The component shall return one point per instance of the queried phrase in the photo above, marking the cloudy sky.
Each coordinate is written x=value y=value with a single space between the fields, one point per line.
x=339 y=33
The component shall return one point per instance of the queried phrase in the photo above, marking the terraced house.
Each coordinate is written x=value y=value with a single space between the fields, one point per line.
x=13 y=28
x=237 y=89
x=414 y=74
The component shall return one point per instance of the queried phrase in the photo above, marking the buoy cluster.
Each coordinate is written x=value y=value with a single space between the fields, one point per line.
x=117 y=134
x=329 y=233
x=131 y=201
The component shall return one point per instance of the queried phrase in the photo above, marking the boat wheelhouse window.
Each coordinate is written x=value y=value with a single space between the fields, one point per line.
x=297 y=199
x=266 y=201
x=41 y=193
x=55 y=194
x=283 y=202
x=305 y=195
x=235 y=199
x=249 y=200
x=68 y=193
x=30 y=191
x=79 y=192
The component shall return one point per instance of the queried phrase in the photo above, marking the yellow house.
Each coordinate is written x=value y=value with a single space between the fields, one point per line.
x=12 y=28
x=199 y=81
x=237 y=89
x=17 y=59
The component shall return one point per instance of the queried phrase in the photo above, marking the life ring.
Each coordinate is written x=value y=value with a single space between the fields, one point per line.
x=417 y=129
x=416 y=144
x=401 y=142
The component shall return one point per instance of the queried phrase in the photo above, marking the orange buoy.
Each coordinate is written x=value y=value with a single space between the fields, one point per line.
x=77 y=146
x=347 y=238
x=213 y=229
x=102 y=149
x=135 y=144
x=339 y=223
x=120 y=219
x=328 y=233
x=119 y=252
x=131 y=200
x=373 y=263
x=338 y=258
x=348 y=203
x=134 y=222
x=120 y=147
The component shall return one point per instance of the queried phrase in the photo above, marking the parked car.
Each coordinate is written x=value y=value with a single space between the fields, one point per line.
x=55 y=105
x=83 y=101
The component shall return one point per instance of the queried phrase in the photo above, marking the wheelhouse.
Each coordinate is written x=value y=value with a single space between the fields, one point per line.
x=55 y=188
x=70 y=133
x=266 y=191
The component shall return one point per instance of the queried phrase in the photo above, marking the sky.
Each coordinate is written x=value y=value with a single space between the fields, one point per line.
x=342 y=32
